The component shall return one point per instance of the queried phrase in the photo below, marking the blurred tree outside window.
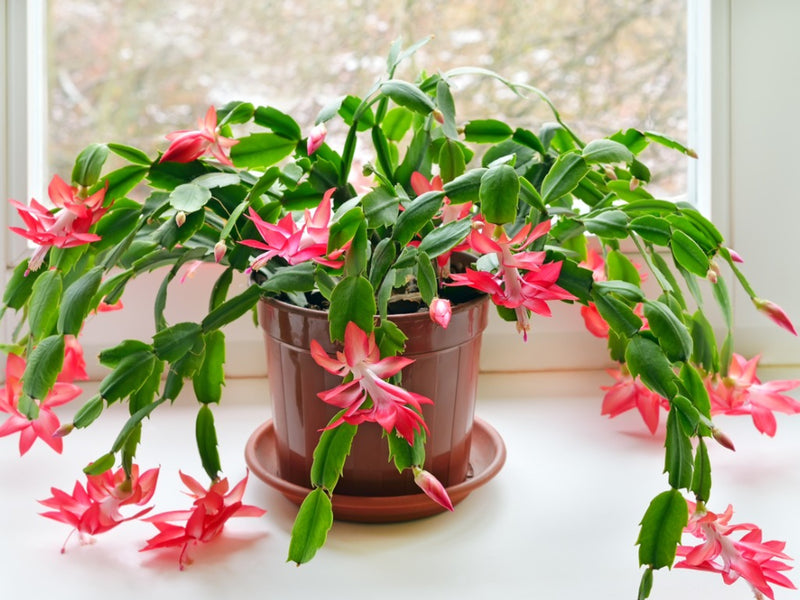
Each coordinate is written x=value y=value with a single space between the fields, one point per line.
x=131 y=72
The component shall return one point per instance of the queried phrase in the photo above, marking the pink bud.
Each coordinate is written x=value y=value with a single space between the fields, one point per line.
x=440 y=311
x=432 y=487
x=438 y=115
x=713 y=273
x=316 y=138
x=735 y=256
x=64 y=430
x=219 y=250
x=722 y=439
x=634 y=183
x=776 y=313
x=180 y=218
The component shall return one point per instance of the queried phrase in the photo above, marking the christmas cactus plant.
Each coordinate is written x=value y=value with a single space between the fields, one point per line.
x=544 y=215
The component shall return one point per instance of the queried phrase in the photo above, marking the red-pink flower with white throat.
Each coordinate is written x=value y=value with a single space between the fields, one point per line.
x=440 y=311
x=45 y=425
x=296 y=242
x=392 y=406
x=67 y=227
x=432 y=487
x=747 y=556
x=629 y=393
x=74 y=368
x=95 y=509
x=743 y=393
x=188 y=145
x=523 y=281
x=316 y=138
x=204 y=521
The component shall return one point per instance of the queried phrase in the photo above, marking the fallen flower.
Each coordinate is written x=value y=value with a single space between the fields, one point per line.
x=757 y=562
x=211 y=510
x=95 y=509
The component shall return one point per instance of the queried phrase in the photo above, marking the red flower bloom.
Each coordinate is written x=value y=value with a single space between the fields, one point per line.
x=46 y=423
x=296 y=243
x=392 y=406
x=74 y=364
x=523 y=281
x=188 y=145
x=211 y=510
x=629 y=393
x=757 y=562
x=743 y=393
x=95 y=509
x=65 y=228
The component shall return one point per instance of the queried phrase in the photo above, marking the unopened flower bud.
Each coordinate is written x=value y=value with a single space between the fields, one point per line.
x=316 y=138
x=776 y=313
x=634 y=183
x=735 y=257
x=438 y=115
x=180 y=218
x=722 y=439
x=219 y=250
x=691 y=153
x=258 y=264
x=432 y=487
x=611 y=173
x=64 y=430
x=440 y=311
x=713 y=272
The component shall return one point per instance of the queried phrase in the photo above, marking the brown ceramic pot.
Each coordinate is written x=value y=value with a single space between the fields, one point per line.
x=445 y=370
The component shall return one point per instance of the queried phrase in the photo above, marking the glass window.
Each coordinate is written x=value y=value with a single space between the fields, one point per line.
x=133 y=71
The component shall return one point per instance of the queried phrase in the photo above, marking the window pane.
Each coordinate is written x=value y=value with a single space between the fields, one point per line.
x=133 y=71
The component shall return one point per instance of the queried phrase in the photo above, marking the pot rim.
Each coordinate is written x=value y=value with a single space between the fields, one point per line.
x=397 y=317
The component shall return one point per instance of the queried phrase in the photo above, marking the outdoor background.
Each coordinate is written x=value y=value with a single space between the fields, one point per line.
x=134 y=71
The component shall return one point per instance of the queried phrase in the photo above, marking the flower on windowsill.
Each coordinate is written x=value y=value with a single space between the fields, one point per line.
x=212 y=508
x=95 y=509
x=362 y=230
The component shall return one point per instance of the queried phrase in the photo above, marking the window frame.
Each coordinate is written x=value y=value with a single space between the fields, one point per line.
x=23 y=132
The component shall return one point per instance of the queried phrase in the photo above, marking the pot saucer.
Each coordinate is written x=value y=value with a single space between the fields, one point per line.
x=487 y=456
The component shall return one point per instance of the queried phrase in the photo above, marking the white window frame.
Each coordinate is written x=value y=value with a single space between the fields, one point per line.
x=557 y=343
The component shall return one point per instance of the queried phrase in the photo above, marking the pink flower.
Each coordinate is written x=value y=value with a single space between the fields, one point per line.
x=104 y=307
x=596 y=324
x=296 y=243
x=440 y=311
x=95 y=509
x=523 y=281
x=74 y=364
x=316 y=138
x=67 y=227
x=742 y=393
x=46 y=423
x=392 y=406
x=432 y=487
x=776 y=313
x=757 y=562
x=188 y=145
x=629 y=393
x=447 y=214
x=204 y=521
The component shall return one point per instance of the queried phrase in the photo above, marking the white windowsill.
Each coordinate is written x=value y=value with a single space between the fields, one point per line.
x=560 y=520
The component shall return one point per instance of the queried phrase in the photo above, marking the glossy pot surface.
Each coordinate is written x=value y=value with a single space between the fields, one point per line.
x=445 y=369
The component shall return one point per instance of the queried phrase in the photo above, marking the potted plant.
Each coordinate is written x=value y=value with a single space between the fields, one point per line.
x=440 y=213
